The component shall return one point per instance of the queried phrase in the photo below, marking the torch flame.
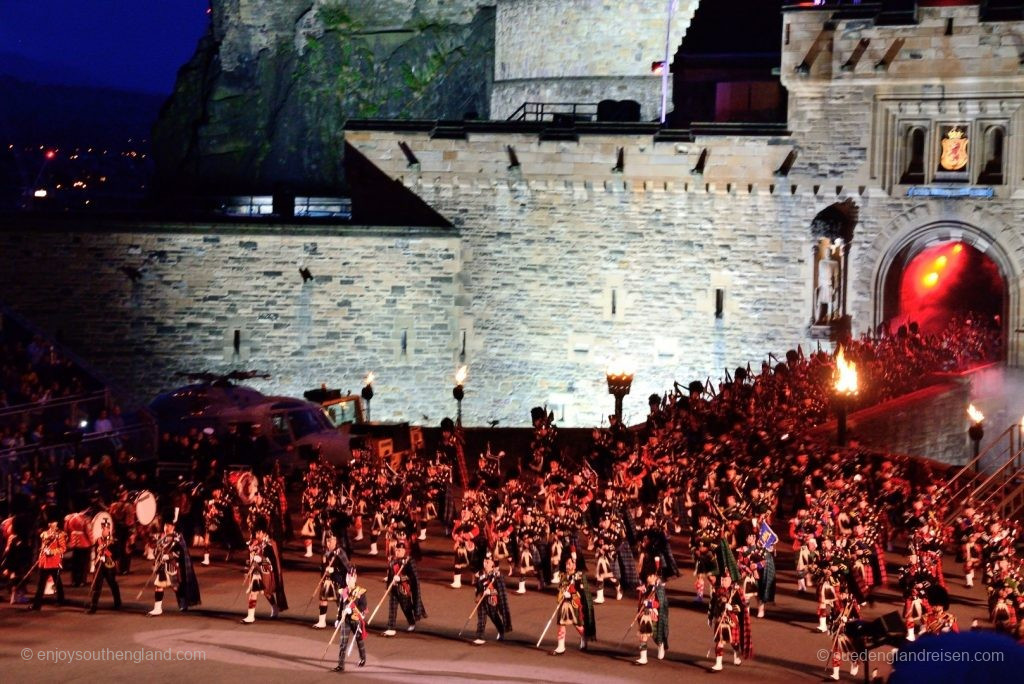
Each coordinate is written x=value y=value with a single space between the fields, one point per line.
x=460 y=375
x=369 y=378
x=976 y=415
x=620 y=369
x=846 y=374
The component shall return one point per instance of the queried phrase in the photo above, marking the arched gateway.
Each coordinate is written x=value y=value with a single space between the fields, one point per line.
x=923 y=233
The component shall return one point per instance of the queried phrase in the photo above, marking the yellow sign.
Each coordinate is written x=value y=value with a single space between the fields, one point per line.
x=954 y=150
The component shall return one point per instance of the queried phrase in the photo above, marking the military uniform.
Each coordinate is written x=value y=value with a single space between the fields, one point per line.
x=106 y=569
x=352 y=620
x=404 y=593
x=493 y=603
x=53 y=546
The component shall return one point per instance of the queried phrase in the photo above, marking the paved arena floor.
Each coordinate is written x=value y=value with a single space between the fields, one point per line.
x=217 y=647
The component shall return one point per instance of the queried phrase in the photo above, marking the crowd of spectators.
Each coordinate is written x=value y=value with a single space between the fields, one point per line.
x=42 y=452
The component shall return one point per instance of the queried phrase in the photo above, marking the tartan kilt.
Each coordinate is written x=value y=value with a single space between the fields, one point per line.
x=746 y=636
x=627 y=573
x=446 y=507
x=860 y=585
x=766 y=582
x=881 y=576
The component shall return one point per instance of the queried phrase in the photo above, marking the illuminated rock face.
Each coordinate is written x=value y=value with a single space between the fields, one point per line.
x=261 y=104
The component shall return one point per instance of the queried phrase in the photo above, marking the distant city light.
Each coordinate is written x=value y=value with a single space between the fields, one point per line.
x=50 y=154
x=39 y=193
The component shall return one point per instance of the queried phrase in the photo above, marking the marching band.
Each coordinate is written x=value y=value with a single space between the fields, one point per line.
x=708 y=468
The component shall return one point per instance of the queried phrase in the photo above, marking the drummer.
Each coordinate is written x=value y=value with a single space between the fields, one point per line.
x=76 y=527
x=122 y=511
x=104 y=553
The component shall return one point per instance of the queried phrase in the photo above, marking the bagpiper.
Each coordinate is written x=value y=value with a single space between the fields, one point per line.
x=53 y=545
x=652 y=606
x=405 y=591
x=106 y=567
x=466 y=537
x=915 y=581
x=173 y=568
x=334 y=567
x=730 y=622
x=351 y=621
x=312 y=512
x=492 y=601
x=530 y=561
x=264 y=575
x=574 y=605
x=606 y=540
x=844 y=609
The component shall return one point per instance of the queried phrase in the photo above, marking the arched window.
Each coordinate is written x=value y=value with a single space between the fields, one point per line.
x=913 y=156
x=992 y=171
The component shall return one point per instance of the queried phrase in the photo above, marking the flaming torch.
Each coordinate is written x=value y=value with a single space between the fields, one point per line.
x=367 y=393
x=846 y=389
x=458 y=392
x=976 y=432
x=620 y=380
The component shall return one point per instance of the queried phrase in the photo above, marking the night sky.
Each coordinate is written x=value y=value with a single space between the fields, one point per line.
x=127 y=44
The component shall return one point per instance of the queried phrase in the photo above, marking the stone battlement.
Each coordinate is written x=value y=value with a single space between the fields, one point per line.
x=948 y=44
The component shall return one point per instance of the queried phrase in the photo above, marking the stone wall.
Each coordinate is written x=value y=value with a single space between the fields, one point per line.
x=198 y=284
x=922 y=424
x=582 y=51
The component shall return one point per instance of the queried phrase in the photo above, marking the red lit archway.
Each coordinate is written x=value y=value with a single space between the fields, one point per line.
x=946 y=280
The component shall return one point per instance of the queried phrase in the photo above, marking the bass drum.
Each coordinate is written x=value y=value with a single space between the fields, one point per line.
x=96 y=526
x=247 y=487
x=145 y=506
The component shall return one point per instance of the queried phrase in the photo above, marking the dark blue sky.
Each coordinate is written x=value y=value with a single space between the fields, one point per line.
x=128 y=44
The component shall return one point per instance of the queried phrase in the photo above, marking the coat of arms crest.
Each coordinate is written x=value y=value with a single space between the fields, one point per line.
x=954 y=150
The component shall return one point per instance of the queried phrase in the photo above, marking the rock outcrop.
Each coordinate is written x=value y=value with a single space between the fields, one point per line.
x=261 y=105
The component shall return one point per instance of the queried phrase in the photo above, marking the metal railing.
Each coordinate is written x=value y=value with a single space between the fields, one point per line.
x=79 y=407
x=557 y=112
x=139 y=440
x=1002 y=488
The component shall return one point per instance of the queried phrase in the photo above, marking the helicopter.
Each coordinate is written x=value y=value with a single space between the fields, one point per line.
x=284 y=429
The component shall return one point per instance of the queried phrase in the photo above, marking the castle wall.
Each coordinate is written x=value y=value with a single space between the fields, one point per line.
x=201 y=283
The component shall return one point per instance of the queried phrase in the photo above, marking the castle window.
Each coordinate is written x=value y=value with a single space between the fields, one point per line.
x=913 y=155
x=992 y=171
